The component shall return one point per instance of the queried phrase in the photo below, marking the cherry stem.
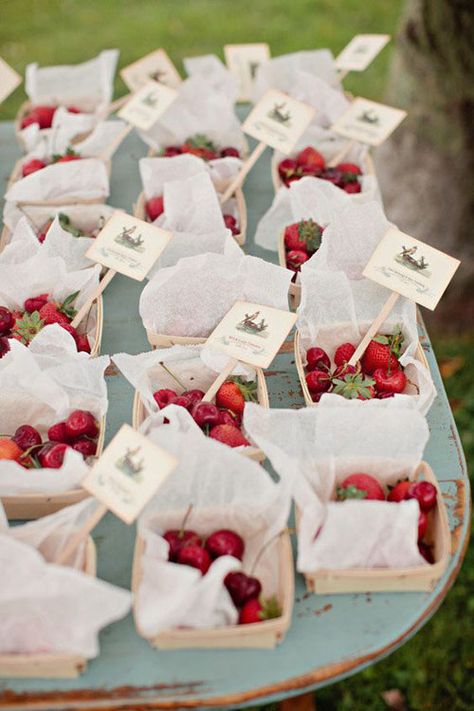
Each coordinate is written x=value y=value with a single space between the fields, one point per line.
x=264 y=548
x=28 y=451
x=185 y=520
x=410 y=382
x=175 y=378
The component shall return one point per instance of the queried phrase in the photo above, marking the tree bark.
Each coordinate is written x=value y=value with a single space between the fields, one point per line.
x=426 y=170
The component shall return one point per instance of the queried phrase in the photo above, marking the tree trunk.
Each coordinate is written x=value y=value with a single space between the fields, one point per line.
x=426 y=170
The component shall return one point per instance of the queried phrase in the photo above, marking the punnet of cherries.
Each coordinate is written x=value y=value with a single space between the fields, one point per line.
x=186 y=547
x=43 y=115
x=78 y=431
x=154 y=207
x=368 y=487
x=310 y=162
x=201 y=146
x=38 y=312
x=34 y=164
x=221 y=420
x=302 y=239
x=378 y=374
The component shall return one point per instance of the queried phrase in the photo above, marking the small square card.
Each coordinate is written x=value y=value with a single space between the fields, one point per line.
x=412 y=268
x=359 y=53
x=146 y=106
x=128 y=245
x=278 y=120
x=243 y=60
x=156 y=66
x=9 y=80
x=252 y=333
x=128 y=474
x=368 y=122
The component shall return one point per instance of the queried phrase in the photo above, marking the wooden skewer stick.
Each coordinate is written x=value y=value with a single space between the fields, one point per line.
x=342 y=153
x=246 y=168
x=221 y=378
x=109 y=275
x=82 y=534
x=118 y=103
x=384 y=312
x=342 y=73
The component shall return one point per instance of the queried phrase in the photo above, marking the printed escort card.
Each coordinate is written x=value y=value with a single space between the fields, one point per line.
x=412 y=268
x=278 y=120
x=9 y=80
x=128 y=245
x=368 y=122
x=128 y=474
x=360 y=52
x=252 y=333
x=156 y=66
x=243 y=60
x=146 y=106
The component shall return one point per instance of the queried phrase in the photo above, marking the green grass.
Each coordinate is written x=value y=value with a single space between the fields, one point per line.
x=435 y=669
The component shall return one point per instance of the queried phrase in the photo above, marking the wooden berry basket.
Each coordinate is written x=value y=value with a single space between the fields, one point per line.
x=162 y=340
x=140 y=413
x=368 y=169
x=36 y=505
x=260 y=635
x=55 y=665
x=22 y=112
x=422 y=578
x=419 y=355
x=139 y=211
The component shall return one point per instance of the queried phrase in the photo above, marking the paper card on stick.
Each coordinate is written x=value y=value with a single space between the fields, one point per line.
x=360 y=52
x=156 y=66
x=146 y=106
x=128 y=245
x=252 y=333
x=128 y=474
x=368 y=121
x=9 y=80
x=278 y=120
x=412 y=268
x=243 y=60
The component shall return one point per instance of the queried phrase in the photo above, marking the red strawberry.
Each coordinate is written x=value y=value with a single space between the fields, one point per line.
x=68 y=156
x=351 y=168
x=235 y=392
x=9 y=449
x=317 y=359
x=154 y=207
x=26 y=436
x=383 y=352
x=195 y=556
x=242 y=587
x=58 y=433
x=35 y=303
x=287 y=168
x=389 y=382
x=6 y=320
x=425 y=493
x=82 y=343
x=26 y=327
x=343 y=353
x=399 y=491
x=318 y=381
x=295 y=259
x=42 y=115
x=171 y=151
x=32 y=166
x=74 y=110
x=230 y=151
x=352 y=188
x=304 y=235
x=51 y=455
x=231 y=224
x=87 y=447
x=205 y=414
x=81 y=423
x=164 y=397
x=229 y=435
x=310 y=157
x=50 y=313
x=201 y=146
x=225 y=542
x=360 y=486
x=422 y=524
x=176 y=539
x=256 y=611
x=354 y=386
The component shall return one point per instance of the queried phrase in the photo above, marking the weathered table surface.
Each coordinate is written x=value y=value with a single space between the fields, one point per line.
x=330 y=637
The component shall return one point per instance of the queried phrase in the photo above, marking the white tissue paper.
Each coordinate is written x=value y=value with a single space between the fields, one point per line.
x=211 y=69
x=41 y=389
x=281 y=72
x=192 y=297
x=47 y=608
x=226 y=491
x=314 y=449
x=338 y=304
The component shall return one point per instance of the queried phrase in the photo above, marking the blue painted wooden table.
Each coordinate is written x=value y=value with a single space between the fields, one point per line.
x=330 y=637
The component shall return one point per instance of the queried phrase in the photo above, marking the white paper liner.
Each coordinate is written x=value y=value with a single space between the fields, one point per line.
x=156 y=172
x=314 y=449
x=281 y=72
x=212 y=70
x=226 y=491
x=191 y=298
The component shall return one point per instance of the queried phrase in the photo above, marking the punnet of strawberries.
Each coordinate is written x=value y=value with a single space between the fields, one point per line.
x=38 y=312
x=34 y=164
x=302 y=239
x=154 y=207
x=186 y=547
x=67 y=225
x=368 y=488
x=79 y=431
x=201 y=146
x=221 y=420
x=310 y=162
x=43 y=115
x=378 y=374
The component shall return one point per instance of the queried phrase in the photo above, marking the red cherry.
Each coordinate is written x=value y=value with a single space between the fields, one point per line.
x=345 y=369
x=389 y=382
x=242 y=587
x=399 y=491
x=225 y=542
x=164 y=397
x=51 y=455
x=352 y=188
x=58 y=433
x=343 y=353
x=81 y=423
x=87 y=447
x=231 y=224
x=426 y=551
x=176 y=539
x=205 y=413
x=195 y=556
x=35 y=303
x=318 y=381
x=251 y=612
x=317 y=359
x=171 y=151
x=82 y=343
x=194 y=395
x=287 y=168
x=26 y=436
x=154 y=207
x=295 y=258
x=6 y=320
x=229 y=418
x=425 y=493
x=4 y=346
x=230 y=151
x=183 y=401
x=422 y=524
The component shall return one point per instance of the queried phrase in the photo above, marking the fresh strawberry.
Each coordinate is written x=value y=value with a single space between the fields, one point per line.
x=195 y=556
x=360 y=486
x=229 y=435
x=318 y=381
x=343 y=353
x=200 y=146
x=32 y=166
x=304 y=235
x=351 y=168
x=235 y=392
x=26 y=436
x=164 y=397
x=6 y=320
x=225 y=542
x=81 y=423
x=171 y=151
x=399 y=491
x=425 y=493
x=354 y=386
x=422 y=524
x=35 y=303
x=176 y=539
x=58 y=433
x=9 y=449
x=61 y=313
x=66 y=157
x=4 y=346
x=205 y=414
x=27 y=327
x=82 y=343
x=383 y=352
x=231 y=224
x=295 y=258
x=230 y=152
x=242 y=587
x=42 y=115
x=74 y=110
x=352 y=188
x=389 y=382
x=256 y=611
x=287 y=168
x=87 y=447
x=154 y=207
x=51 y=455
x=310 y=157
x=317 y=359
